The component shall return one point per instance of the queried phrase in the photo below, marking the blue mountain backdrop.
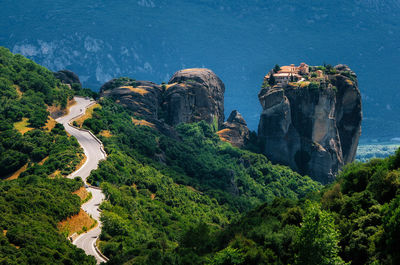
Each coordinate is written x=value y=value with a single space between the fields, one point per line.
x=239 y=40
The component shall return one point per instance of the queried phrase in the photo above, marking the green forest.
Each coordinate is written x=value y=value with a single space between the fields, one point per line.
x=30 y=209
x=32 y=205
x=246 y=210
x=354 y=220
x=183 y=199
x=26 y=91
x=159 y=188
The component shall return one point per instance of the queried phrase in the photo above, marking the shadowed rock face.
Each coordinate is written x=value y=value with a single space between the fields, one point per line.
x=143 y=97
x=234 y=130
x=314 y=131
x=67 y=77
x=194 y=95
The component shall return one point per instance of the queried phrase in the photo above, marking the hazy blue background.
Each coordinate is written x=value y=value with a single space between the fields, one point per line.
x=239 y=40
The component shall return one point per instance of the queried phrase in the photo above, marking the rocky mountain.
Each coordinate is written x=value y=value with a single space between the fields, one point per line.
x=194 y=95
x=191 y=95
x=235 y=130
x=68 y=77
x=143 y=97
x=160 y=37
x=312 y=125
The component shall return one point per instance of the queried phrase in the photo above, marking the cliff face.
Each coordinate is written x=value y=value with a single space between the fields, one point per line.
x=143 y=97
x=68 y=77
x=194 y=95
x=312 y=128
x=191 y=95
x=234 y=130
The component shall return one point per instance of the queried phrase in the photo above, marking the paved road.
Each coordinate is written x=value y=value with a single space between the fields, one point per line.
x=92 y=149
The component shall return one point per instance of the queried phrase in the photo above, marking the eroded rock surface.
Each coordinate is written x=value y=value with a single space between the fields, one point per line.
x=68 y=77
x=191 y=95
x=194 y=95
x=234 y=130
x=314 y=130
x=143 y=97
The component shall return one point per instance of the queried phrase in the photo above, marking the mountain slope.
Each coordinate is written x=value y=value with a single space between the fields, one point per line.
x=34 y=150
x=159 y=187
x=355 y=219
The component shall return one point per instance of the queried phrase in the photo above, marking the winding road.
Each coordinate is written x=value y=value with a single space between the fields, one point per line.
x=94 y=153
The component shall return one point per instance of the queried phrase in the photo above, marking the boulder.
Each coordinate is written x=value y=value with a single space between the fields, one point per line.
x=234 y=130
x=313 y=131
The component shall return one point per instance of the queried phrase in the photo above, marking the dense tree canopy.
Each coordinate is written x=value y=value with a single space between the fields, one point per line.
x=188 y=199
x=32 y=205
x=167 y=192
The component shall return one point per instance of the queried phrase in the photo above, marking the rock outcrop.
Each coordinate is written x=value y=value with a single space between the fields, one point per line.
x=234 y=130
x=143 y=97
x=193 y=95
x=313 y=127
x=68 y=77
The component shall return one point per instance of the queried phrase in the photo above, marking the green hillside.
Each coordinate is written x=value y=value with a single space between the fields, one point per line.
x=159 y=187
x=33 y=204
x=179 y=198
x=355 y=220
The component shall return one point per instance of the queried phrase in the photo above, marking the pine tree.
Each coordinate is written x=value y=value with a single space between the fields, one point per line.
x=271 y=80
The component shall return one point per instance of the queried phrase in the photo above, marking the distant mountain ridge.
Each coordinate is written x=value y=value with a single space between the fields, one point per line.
x=240 y=40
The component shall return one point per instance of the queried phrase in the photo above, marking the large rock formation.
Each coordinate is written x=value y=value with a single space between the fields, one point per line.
x=194 y=95
x=234 y=130
x=313 y=127
x=191 y=95
x=143 y=97
x=68 y=77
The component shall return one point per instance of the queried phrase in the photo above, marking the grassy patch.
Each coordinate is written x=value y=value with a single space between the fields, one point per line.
x=143 y=123
x=83 y=160
x=82 y=193
x=43 y=160
x=223 y=134
x=19 y=92
x=87 y=115
x=78 y=223
x=16 y=174
x=137 y=90
x=55 y=174
x=106 y=133
x=50 y=124
x=23 y=126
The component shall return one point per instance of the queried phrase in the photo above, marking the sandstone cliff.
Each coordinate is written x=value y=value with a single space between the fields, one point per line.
x=191 y=95
x=312 y=125
x=194 y=95
x=234 y=130
x=143 y=97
